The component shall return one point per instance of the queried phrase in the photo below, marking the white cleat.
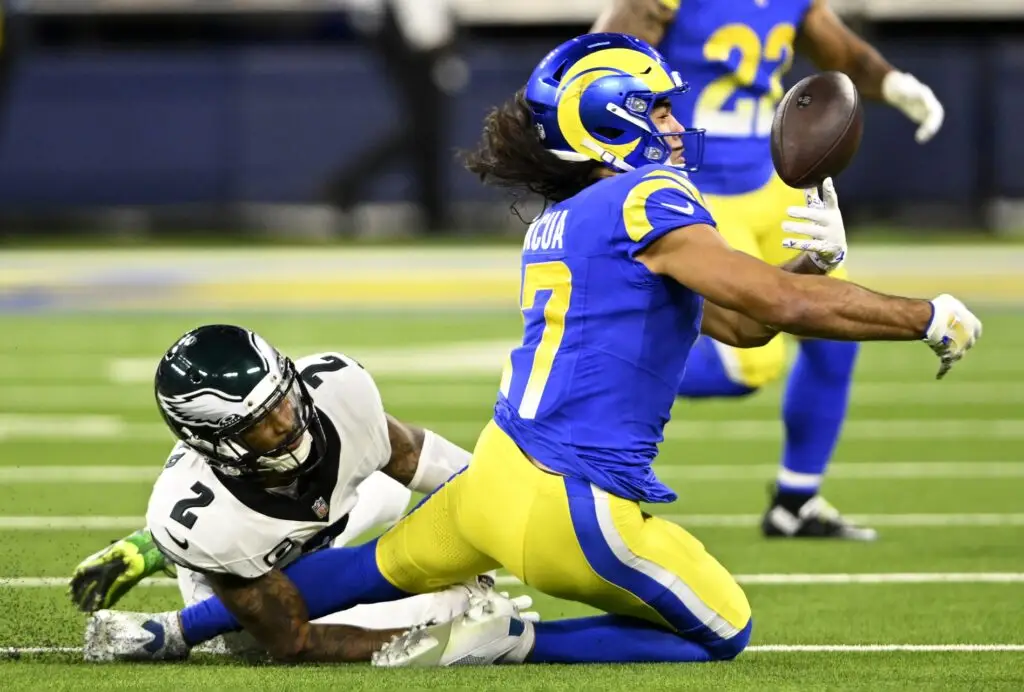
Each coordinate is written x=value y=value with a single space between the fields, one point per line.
x=112 y=635
x=491 y=631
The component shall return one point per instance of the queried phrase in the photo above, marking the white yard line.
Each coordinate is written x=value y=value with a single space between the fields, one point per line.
x=84 y=523
x=14 y=652
x=746 y=579
x=46 y=397
x=482 y=358
x=881 y=648
x=86 y=428
x=14 y=426
x=847 y=470
x=753 y=430
x=839 y=579
x=884 y=578
x=14 y=475
x=51 y=582
x=855 y=429
x=728 y=521
x=436 y=360
x=452 y=393
x=722 y=473
x=936 y=394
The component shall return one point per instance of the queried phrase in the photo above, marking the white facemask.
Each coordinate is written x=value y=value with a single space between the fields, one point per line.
x=290 y=460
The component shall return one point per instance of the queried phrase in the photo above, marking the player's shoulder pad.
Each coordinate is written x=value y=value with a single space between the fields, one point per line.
x=197 y=525
x=337 y=381
x=658 y=199
x=178 y=495
x=345 y=390
x=327 y=362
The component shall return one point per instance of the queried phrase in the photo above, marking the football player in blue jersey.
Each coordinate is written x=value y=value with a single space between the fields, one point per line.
x=734 y=55
x=619 y=276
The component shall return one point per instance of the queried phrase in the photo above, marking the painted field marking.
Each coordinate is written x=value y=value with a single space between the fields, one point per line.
x=746 y=579
x=722 y=473
x=728 y=521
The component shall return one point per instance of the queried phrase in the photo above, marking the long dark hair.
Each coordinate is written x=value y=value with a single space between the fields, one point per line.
x=510 y=155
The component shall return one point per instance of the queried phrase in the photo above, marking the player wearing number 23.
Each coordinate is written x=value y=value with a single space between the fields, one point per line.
x=734 y=54
x=620 y=275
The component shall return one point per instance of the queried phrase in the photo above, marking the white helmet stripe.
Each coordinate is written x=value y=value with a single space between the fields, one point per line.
x=622 y=113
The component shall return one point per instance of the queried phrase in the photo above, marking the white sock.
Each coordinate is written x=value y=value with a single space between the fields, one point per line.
x=381 y=501
x=794 y=481
x=403 y=613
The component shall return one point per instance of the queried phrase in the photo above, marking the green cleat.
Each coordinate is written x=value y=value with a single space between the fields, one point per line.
x=103 y=578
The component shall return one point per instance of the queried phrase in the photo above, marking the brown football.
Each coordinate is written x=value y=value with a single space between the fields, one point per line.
x=817 y=129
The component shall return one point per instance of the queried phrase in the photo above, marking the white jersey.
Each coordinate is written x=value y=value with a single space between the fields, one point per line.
x=208 y=522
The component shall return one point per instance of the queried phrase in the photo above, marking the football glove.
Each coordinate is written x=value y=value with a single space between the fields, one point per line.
x=952 y=331
x=823 y=224
x=916 y=101
x=103 y=578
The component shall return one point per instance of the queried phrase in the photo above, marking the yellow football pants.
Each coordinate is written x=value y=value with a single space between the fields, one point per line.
x=752 y=223
x=566 y=538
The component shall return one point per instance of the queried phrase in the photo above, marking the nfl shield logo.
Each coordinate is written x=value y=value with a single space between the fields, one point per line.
x=320 y=508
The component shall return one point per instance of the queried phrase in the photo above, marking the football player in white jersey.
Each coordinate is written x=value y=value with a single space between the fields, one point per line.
x=275 y=460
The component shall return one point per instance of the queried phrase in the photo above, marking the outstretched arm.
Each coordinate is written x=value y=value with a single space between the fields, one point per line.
x=273 y=611
x=830 y=44
x=813 y=306
x=736 y=329
x=645 y=19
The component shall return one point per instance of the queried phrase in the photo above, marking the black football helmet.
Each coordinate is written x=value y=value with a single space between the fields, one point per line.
x=218 y=381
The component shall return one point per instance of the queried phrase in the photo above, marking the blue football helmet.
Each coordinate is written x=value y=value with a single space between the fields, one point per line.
x=592 y=99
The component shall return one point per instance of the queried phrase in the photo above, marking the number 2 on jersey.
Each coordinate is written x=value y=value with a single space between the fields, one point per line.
x=747 y=117
x=181 y=514
x=556 y=278
x=310 y=373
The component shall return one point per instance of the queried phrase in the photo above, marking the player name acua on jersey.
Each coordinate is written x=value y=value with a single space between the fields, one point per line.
x=733 y=54
x=244 y=529
x=590 y=389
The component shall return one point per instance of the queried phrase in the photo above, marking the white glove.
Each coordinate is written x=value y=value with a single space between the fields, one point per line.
x=952 y=331
x=522 y=602
x=448 y=604
x=823 y=223
x=902 y=90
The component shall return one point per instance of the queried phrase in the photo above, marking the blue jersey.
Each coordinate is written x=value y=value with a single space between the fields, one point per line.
x=733 y=54
x=605 y=341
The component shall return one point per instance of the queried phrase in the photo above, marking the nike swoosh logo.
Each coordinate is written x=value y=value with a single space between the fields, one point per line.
x=157 y=630
x=688 y=209
x=181 y=544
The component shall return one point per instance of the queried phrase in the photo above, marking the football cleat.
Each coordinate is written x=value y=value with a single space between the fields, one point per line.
x=103 y=578
x=112 y=635
x=816 y=518
x=491 y=631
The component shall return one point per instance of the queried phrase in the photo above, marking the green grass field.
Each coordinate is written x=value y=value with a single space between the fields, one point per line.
x=937 y=467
